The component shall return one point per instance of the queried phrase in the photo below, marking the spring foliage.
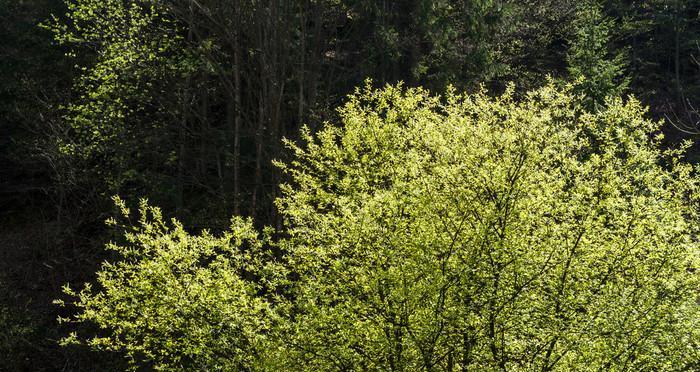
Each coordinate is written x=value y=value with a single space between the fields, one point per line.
x=178 y=301
x=449 y=233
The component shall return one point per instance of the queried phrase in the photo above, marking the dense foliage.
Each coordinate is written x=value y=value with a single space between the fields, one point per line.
x=186 y=103
x=432 y=233
x=177 y=300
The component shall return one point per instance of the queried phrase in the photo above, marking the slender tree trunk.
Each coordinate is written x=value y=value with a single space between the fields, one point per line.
x=182 y=134
x=205 y=133
x=258 y=153
x=179 y=198
x=315 y=62
x=302 y=55
x=262 y=105
x=180 y=178
x=232 y=136
x=237 y=113
x=677 y=60
x=281 y=32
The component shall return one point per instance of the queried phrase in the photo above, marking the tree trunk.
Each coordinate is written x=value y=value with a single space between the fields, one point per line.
x=302 y=55
x=262 y=105
x=237 y=114
x=180 y=178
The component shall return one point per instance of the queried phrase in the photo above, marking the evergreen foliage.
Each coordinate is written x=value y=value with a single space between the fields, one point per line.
x=598 y=75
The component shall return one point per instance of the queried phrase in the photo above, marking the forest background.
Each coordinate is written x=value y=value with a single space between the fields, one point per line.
x=186 y=102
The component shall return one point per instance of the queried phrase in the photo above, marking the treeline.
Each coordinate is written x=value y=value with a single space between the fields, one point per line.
x=186 y=103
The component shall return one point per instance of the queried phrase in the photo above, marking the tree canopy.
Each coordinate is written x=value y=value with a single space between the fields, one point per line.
x=420 y=221
x=422 y=232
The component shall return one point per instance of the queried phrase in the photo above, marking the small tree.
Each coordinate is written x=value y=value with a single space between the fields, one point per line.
x=442 y=234
x=597 y=74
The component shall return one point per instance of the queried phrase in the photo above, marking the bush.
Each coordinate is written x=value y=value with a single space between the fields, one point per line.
x=177 y=301
x=434 y=233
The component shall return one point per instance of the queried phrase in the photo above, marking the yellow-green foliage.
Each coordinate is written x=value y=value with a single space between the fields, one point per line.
x=449 y=233
x=177 y=301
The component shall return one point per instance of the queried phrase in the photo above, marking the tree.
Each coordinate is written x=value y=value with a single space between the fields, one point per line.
x=454 y=233
x=491 y=234
x=132 y=109
x=597 y=75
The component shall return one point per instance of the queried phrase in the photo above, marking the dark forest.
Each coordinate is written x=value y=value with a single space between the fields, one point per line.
x=410 y=185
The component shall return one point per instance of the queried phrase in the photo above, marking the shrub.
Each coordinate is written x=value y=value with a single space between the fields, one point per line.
x=175 y=301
